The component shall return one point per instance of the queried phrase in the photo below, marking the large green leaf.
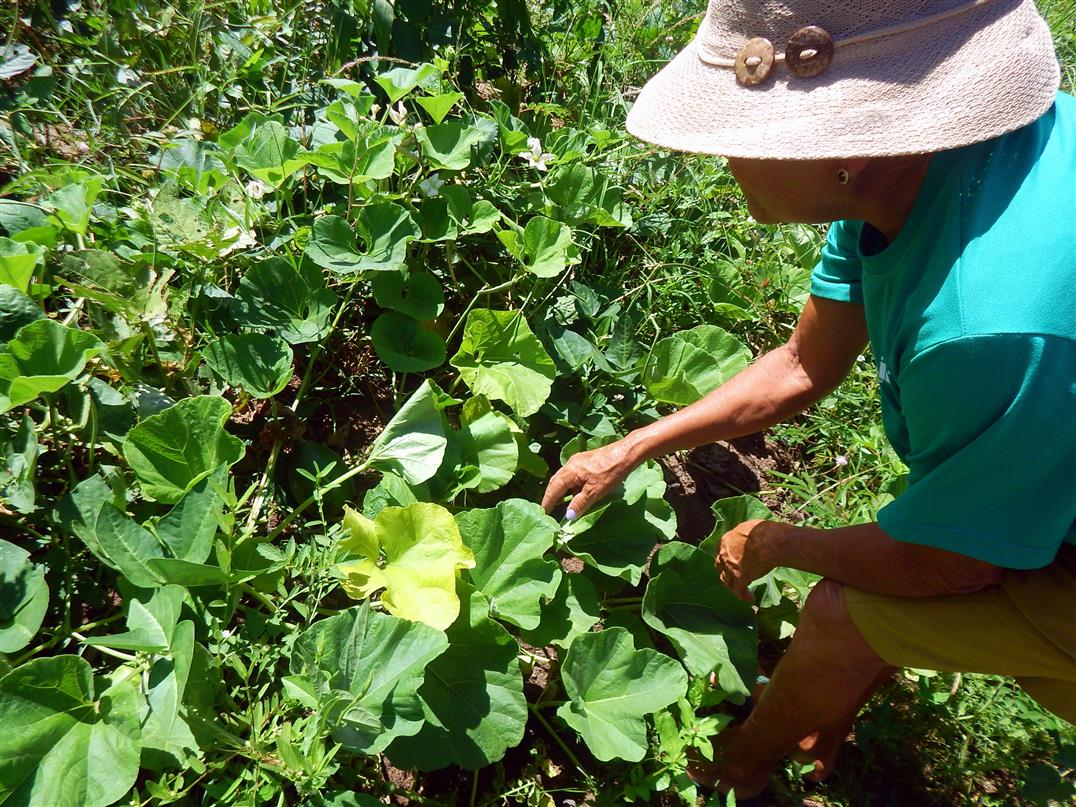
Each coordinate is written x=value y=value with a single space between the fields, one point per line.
x=264 y=148
x=173 y=450
x=544 y=246
x=501 y=358
x=439 y=105
x=418 y=295
x=167 y=739
x=257 y=362
x=128 y=546
x=386 y=227
x=573 y=611
x=366 y=668
x=404 y=345
x=711 y=628
x=151 y=622
x=448 y=145
x=509 y=542
x=18 y=467
x=488 y=447
x=413 y=443
x=581 y=194
x=24 y=597
x=293 y=302
x=611 y=686
x=16 y=310
x=63 y=745
x=422 y=552
x=683 y=367
x=399 y=81
x=18 y=261
x=189 y=529
x=42 y=357
x=473 y=695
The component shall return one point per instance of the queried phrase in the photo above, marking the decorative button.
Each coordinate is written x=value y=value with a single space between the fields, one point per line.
x=809 y=51
x=754 y=62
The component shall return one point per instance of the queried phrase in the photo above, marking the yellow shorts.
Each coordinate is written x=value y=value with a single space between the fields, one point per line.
x=1023 y=627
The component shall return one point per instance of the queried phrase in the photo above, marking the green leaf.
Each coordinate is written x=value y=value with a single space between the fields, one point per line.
x=448 y=145
x=501 y=358
x=187 y=573
x=404 y=345
x=473 y=696
x=583 y=195
x=24 y=598
x=78 y=511
x=189 y=529
x=386 y=227
x=488 y=447
x=573 y=611
x=439 y=105
x=268 y=153
x=18 y=261
x=151 y=623
x=259 y=363
x=422 y=551
x=72 y=203
x=619 y=542
x=611 y=686
x=366 y=668
x=293 y=302
x=509 y=542
x=469 y=216
x=731 y=512
x=711 y=629
x=128 y=546
x=687 y=365
x=43 y=357
x=16 y=310
x=545 y=247
x=71 y=748
x=167 y=740
x=172 y=451
x=358 y=160
x=413 y=443
x=418 y=295
x=399 y=81
x=18 y=468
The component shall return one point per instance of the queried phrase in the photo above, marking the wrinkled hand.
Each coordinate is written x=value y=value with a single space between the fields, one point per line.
x=742 y=559
x=590 y=475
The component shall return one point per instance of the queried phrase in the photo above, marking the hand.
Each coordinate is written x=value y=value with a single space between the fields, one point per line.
x=741 y=558
x=590 y=475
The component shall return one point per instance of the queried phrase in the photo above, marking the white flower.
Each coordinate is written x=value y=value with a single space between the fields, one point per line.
x=398 y=114
x=431 y=185
x=840 y=461
x=256 y=189
x=535 y=157
x=375 y=110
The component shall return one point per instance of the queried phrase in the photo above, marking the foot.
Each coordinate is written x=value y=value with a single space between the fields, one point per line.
x=723 y=774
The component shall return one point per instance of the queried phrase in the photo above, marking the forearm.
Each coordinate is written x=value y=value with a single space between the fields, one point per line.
x=772 y=389
x=865 y=557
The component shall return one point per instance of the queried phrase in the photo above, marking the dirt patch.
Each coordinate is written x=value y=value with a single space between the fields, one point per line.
x=700 y=477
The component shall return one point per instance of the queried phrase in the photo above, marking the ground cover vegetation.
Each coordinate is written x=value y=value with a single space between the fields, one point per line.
x=299 y=303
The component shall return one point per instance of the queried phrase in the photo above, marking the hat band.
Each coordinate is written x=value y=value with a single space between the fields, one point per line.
x=810 y=50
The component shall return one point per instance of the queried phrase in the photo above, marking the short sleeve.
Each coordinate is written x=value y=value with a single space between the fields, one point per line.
x=838 y=275
x=992 y=449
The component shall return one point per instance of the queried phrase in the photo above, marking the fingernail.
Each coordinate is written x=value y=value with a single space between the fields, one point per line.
x=570 y=515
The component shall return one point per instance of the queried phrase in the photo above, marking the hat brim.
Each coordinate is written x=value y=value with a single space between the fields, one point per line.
x=965 y=80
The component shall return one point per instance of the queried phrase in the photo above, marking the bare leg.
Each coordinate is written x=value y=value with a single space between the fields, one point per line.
x=827 y=674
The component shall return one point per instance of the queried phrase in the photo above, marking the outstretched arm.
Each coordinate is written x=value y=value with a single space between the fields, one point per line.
x=782 y=383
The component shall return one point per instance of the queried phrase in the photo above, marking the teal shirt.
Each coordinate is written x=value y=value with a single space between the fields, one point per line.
x=971 y=312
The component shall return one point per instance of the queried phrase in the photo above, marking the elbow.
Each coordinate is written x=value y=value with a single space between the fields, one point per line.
x=940 y=572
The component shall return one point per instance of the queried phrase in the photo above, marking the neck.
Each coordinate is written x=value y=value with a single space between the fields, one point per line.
x=890 y=186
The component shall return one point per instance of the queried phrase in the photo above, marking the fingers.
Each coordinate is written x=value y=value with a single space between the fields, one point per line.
x=562 y=483
x=581 y=503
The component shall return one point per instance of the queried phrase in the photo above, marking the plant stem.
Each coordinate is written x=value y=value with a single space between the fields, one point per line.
x=358 y=469
x=556 y=737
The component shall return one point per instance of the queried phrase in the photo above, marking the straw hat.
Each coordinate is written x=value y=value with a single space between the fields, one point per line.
x=850 y=78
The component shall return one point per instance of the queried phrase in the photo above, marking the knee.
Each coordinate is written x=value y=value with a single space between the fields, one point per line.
x=827 y=628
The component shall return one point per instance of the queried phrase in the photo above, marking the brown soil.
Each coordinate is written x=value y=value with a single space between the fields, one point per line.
x=698 y=478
